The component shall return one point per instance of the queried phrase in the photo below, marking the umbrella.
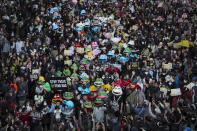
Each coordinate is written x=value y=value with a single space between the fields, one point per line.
x=186 y=43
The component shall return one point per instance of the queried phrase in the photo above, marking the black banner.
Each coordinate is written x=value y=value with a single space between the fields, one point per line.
x=57 y=83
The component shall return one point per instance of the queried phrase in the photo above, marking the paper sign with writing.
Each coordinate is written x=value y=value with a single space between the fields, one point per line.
x=167 y=66
x=80 y=50
x=57 y=83
x=34 y=74
x=68 y=62
x=68 y=52
x=175 y=92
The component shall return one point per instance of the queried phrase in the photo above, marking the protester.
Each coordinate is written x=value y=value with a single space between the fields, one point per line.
x=98 y=65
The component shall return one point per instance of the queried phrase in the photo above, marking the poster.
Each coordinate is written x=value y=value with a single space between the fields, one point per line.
x=34 y=74
x=57 y=83
x=68 y=52
x=145 y=52
x=80 y=50
x=68 y=62
x=175 y=92
x=167 y=66
x=135 y=65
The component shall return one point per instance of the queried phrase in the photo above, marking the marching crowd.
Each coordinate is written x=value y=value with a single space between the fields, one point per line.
x=98 y=65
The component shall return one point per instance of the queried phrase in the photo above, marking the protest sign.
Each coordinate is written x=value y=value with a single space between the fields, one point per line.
x=175 y=92
x=68 y=52
x=57 y=83
x=80 y=50
x=68 y=62
x=34 y=74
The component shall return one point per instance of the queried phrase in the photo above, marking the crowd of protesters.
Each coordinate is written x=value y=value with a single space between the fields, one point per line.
x=128 y=65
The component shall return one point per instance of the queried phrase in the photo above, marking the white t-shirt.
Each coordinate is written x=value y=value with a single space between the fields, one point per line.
x=57 y=113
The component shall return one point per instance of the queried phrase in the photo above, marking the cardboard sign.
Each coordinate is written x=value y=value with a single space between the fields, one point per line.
x=175 y=92
x=68 y=52
x=57 y=83
x=80 y=50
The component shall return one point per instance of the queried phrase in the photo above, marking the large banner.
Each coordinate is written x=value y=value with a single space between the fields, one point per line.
x=57 y=83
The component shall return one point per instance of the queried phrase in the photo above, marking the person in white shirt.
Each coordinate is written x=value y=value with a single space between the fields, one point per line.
x=57 y=113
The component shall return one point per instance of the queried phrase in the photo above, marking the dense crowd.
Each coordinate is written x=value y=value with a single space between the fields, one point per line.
x=96 y=65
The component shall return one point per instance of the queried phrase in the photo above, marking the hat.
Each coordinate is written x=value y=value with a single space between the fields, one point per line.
x=74 y=76
x=108 y=69
x=127 y=50
x=83 y=12
x=77 y=45
x=103 y=57
x=117 y=91
x=68 y=95
x=111 y=54
x=137 y=86
x=58 y=73
x=116 y=70
x=88 y=104
x=69 y=104
x=85 y=80
x=56 y=98
x=98 y=102
x=84 y=61
x=41 y=78
x=68 y=81
x=93 y=88
x=47 y=87
x=74 y=67
x=119 y=82
x=67 y=72
x=107 y=87
x=94 y=44
x=84 y=91
x=98 y=82
x=102 y=95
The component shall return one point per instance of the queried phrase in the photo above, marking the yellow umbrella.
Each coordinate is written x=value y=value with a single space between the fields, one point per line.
x=186 y=43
